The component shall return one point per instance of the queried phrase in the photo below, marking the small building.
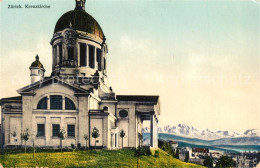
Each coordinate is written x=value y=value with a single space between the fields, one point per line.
x=174 y=145
x=199 y=152
x=216 y=155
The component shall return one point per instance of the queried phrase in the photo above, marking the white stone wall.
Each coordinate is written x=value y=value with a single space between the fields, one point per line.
x=131 y=133
x=104 y=122
x=83 y=119
x=27 y=114
x=124 y=124
x=48 y=119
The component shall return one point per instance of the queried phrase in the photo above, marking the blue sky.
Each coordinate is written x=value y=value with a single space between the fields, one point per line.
x=201 y=57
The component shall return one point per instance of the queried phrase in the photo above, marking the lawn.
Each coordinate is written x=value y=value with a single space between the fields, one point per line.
x=91 y=158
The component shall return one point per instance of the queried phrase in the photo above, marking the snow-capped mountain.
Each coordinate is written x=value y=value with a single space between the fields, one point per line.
x=252 y=132
x=185 y=130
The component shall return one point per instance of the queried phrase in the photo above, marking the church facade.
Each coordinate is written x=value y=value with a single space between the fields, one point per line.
x=76 y=97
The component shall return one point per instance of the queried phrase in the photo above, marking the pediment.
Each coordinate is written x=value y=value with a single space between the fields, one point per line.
x=30 y=89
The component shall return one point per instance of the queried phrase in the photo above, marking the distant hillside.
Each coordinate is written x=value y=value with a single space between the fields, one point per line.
x=91 y=158
x=226 y=144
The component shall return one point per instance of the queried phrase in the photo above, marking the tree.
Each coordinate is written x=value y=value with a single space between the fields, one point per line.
x=95 y=134
x=177 y=154
x=208 y=162
x=25 y=137
x=187 y=157
x=122 y=135
x=137 y=154
x=140 y=137
x=79 y=145
x=225 y=161
x=166 y=146
x=61 y=135
x=86 y=139
x=72 y=147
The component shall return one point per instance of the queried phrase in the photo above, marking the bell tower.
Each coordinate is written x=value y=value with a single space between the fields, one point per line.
x=37 y=70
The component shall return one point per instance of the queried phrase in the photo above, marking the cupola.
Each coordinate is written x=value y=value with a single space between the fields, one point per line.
x=37 y=70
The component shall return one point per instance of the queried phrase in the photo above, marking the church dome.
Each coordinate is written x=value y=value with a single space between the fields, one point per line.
x=79 y=20
x=36 y=63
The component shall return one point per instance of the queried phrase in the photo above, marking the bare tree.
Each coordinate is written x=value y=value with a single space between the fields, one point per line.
x=86 y=139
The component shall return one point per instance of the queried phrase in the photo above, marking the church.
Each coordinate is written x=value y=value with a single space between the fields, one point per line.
x=76 y=97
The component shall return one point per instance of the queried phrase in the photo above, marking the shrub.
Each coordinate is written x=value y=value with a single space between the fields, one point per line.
x=156 y=154
x=143 y=151
x=176 y=155
x=225 y=161
x=166 y=146
x=208 y=162
x=79 y=145
x=72 y=146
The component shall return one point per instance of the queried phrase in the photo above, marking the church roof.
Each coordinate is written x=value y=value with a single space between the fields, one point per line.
x=11 y=99
x=142 y=98
x=79 y=20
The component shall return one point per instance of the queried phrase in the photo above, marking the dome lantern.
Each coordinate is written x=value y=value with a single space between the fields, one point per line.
x=80 y=5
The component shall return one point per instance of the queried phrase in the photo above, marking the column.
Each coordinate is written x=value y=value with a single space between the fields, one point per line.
x=87 y=59
x=63 y=102
x=53 y=57
x=102 y=61
x=155 y=133
x=62 y=53
x=151 y=130
x=58 y=54
x=105 y=132
x=78 y=55
x=48 y=102
x=95 y=58
x=27 y=114
x=48 y=130
x=83 y=119
x=112 y=140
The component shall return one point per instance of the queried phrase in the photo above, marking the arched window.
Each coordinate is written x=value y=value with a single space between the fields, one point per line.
x=42 y=104
x=56 y=102
x=69 y=105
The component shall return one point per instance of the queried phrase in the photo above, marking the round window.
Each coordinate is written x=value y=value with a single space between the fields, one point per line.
x=123 y=113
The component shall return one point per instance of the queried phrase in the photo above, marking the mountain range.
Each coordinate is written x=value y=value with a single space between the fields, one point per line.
x=189 y=136
x=188 y=131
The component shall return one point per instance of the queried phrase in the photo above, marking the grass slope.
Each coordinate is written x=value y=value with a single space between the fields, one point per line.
x=91 y=158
